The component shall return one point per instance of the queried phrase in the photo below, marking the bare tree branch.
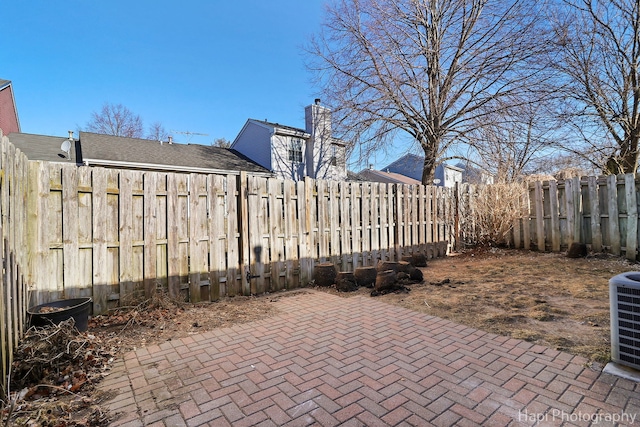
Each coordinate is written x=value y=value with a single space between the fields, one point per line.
x=116 y=120
x=424 y=68
x=598 y=59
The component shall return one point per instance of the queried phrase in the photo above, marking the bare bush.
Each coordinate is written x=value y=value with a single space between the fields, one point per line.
x=496 y=207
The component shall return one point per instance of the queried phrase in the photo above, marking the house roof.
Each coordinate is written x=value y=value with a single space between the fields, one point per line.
x=118 y=151
x=279 y=126
x=114 y=151
x=387 y=177
x=42 y=147
x=410 y=165
x=4 y=83
x=408 y=160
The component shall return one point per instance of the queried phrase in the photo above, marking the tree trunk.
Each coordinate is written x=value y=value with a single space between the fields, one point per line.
x=429 y=168
x=629 y=153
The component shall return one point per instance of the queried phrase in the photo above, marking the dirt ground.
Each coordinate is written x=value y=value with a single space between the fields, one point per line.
x=544 y=298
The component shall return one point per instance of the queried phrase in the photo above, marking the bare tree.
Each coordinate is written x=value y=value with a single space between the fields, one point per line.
x=221 y=142
x=430 y=69
x=116 y=120
x=157 y=132
x=515 y=141
x=598 y=56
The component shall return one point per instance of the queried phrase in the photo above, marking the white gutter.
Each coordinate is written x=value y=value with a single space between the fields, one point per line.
x=167 y=168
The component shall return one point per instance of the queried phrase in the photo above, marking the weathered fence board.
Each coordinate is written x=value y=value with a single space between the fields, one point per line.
x=202 y=237
x=15 y=202
x=602 y=212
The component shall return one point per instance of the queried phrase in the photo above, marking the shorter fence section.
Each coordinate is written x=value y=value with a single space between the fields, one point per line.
x=601 y=212
x=13 y=287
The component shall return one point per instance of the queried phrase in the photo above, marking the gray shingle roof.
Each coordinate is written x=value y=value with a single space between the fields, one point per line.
x=135 y=153
x=387 y=177
x=164 y=155
x=4 y=83
x=41 y=147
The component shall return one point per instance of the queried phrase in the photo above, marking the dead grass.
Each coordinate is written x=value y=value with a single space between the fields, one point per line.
x=544 y=298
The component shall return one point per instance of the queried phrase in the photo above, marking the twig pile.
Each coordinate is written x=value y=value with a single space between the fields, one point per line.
x=58 y=355
x=51 y=365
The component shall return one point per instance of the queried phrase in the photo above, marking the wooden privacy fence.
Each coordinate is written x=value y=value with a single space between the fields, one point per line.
x=113 y=234
x=13 y=289
x=601 y=212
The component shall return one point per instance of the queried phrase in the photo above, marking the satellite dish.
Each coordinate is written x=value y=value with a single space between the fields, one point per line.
x=66 y=146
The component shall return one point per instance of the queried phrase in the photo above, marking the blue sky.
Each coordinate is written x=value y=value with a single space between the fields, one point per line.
x=202 y=66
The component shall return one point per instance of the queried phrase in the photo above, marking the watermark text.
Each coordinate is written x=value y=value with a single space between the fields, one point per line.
x=558 y=415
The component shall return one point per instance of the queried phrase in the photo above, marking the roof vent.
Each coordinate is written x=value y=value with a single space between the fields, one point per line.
x=170 y=139
x=317 y=101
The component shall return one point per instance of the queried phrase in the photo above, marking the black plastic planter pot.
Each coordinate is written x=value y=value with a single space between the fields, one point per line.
x=78 y=308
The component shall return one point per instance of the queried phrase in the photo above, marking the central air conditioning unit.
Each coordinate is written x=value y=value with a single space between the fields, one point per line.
x=624 y=299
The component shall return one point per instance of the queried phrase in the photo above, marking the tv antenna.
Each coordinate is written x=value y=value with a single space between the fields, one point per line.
x=189 y=134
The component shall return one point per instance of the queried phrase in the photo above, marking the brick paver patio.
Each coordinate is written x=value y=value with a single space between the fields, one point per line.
x=328 y=361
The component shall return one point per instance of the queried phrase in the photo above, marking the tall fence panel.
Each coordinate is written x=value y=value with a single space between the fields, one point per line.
x=116 y=234
x=601 y=212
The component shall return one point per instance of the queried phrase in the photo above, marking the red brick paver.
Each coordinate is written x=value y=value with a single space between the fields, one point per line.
x=328 y=361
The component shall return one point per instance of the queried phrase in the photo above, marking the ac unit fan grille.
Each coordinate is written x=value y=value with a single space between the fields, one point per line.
x=629 y=325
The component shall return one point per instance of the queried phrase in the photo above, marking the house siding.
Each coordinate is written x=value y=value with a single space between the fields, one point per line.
x=268 y=144
x=255 y=142
x=282 y=166
x=448 y=175
x=8 y=115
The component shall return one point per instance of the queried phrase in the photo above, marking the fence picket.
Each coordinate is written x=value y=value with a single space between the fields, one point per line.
x=173 y=245
x=276 y=243
x=217 y=242
x=539 y=203
x=334 y=221
x=375 y=223
x=149 y=230
x=612 y=208
x=554 y=216
x=596 y=219
x=632 y=216
x=233 y=246
x=70 y=248
x=291 y=236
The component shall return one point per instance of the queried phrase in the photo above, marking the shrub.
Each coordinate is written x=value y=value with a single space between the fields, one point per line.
x=494 y=210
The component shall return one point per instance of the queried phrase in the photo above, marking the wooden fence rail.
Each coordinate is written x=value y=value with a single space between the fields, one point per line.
x=601 y=212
